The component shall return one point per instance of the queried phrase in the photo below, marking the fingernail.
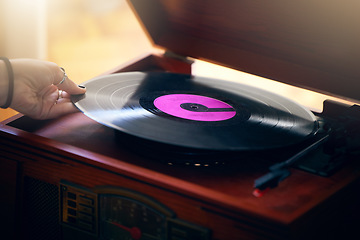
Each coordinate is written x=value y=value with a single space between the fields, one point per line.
x=81 y=86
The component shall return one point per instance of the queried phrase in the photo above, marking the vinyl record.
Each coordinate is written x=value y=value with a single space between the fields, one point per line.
x=195 y=113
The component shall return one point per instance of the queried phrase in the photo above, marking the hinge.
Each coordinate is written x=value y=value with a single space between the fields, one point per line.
x=182 y=58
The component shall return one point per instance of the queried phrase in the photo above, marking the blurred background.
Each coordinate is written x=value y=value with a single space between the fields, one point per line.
x=89 y=37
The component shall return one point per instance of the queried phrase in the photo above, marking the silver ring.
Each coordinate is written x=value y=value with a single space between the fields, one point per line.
x=64 y=77
x=60 y=92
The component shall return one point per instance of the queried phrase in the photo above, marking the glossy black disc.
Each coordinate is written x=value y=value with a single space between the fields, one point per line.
x=194 y=112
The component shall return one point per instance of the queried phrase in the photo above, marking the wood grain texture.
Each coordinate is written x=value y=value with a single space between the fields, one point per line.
x=79 y=150
x=311 y=44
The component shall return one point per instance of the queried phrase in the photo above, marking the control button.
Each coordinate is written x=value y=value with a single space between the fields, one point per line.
x=71 y=195
x=86 y=200
x=71 y=211
x=86 y=209
x=71 y=204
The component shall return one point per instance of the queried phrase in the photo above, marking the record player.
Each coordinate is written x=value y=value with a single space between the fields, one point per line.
x=129 y=166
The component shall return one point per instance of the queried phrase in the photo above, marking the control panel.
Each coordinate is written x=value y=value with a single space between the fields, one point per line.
x=110 y=213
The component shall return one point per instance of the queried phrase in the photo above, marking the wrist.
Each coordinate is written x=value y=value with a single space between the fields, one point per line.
x=6 y=83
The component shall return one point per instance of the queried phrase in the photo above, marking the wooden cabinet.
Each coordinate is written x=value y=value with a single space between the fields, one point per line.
x=9 y=207
x=37 y=156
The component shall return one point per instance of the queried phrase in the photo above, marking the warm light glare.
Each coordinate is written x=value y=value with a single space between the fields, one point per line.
x=91 y=37
x=309 y=99
x=24 y=33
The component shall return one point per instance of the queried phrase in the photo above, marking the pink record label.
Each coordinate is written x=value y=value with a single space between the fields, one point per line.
x=194 y=107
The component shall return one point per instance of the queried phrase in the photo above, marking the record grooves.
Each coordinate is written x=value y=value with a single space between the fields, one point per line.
x=194 y=115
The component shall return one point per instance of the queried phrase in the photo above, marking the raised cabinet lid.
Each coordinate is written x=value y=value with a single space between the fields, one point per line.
x=313 y=44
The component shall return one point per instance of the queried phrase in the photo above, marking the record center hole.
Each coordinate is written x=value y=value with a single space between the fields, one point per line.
x=194 y=107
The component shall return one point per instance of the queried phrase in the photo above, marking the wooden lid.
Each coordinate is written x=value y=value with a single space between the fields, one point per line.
x=306 y=43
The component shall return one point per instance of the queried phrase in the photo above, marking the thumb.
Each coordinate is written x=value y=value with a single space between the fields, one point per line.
x=66 y=84
x=71 y=88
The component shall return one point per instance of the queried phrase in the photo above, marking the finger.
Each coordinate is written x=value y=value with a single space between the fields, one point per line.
x=71 y=88
x=64 y=94
x=66 y=84
x=63 y=107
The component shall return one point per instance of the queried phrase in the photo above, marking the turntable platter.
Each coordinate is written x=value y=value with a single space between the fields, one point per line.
x=195 y=112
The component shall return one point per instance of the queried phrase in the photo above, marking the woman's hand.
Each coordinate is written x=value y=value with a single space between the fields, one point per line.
x=37 y=92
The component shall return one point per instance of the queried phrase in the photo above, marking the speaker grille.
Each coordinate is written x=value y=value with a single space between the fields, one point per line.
x=41 y=206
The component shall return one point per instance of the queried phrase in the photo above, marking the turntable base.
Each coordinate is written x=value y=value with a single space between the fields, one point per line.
x=83 y=152
x=70 y=178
